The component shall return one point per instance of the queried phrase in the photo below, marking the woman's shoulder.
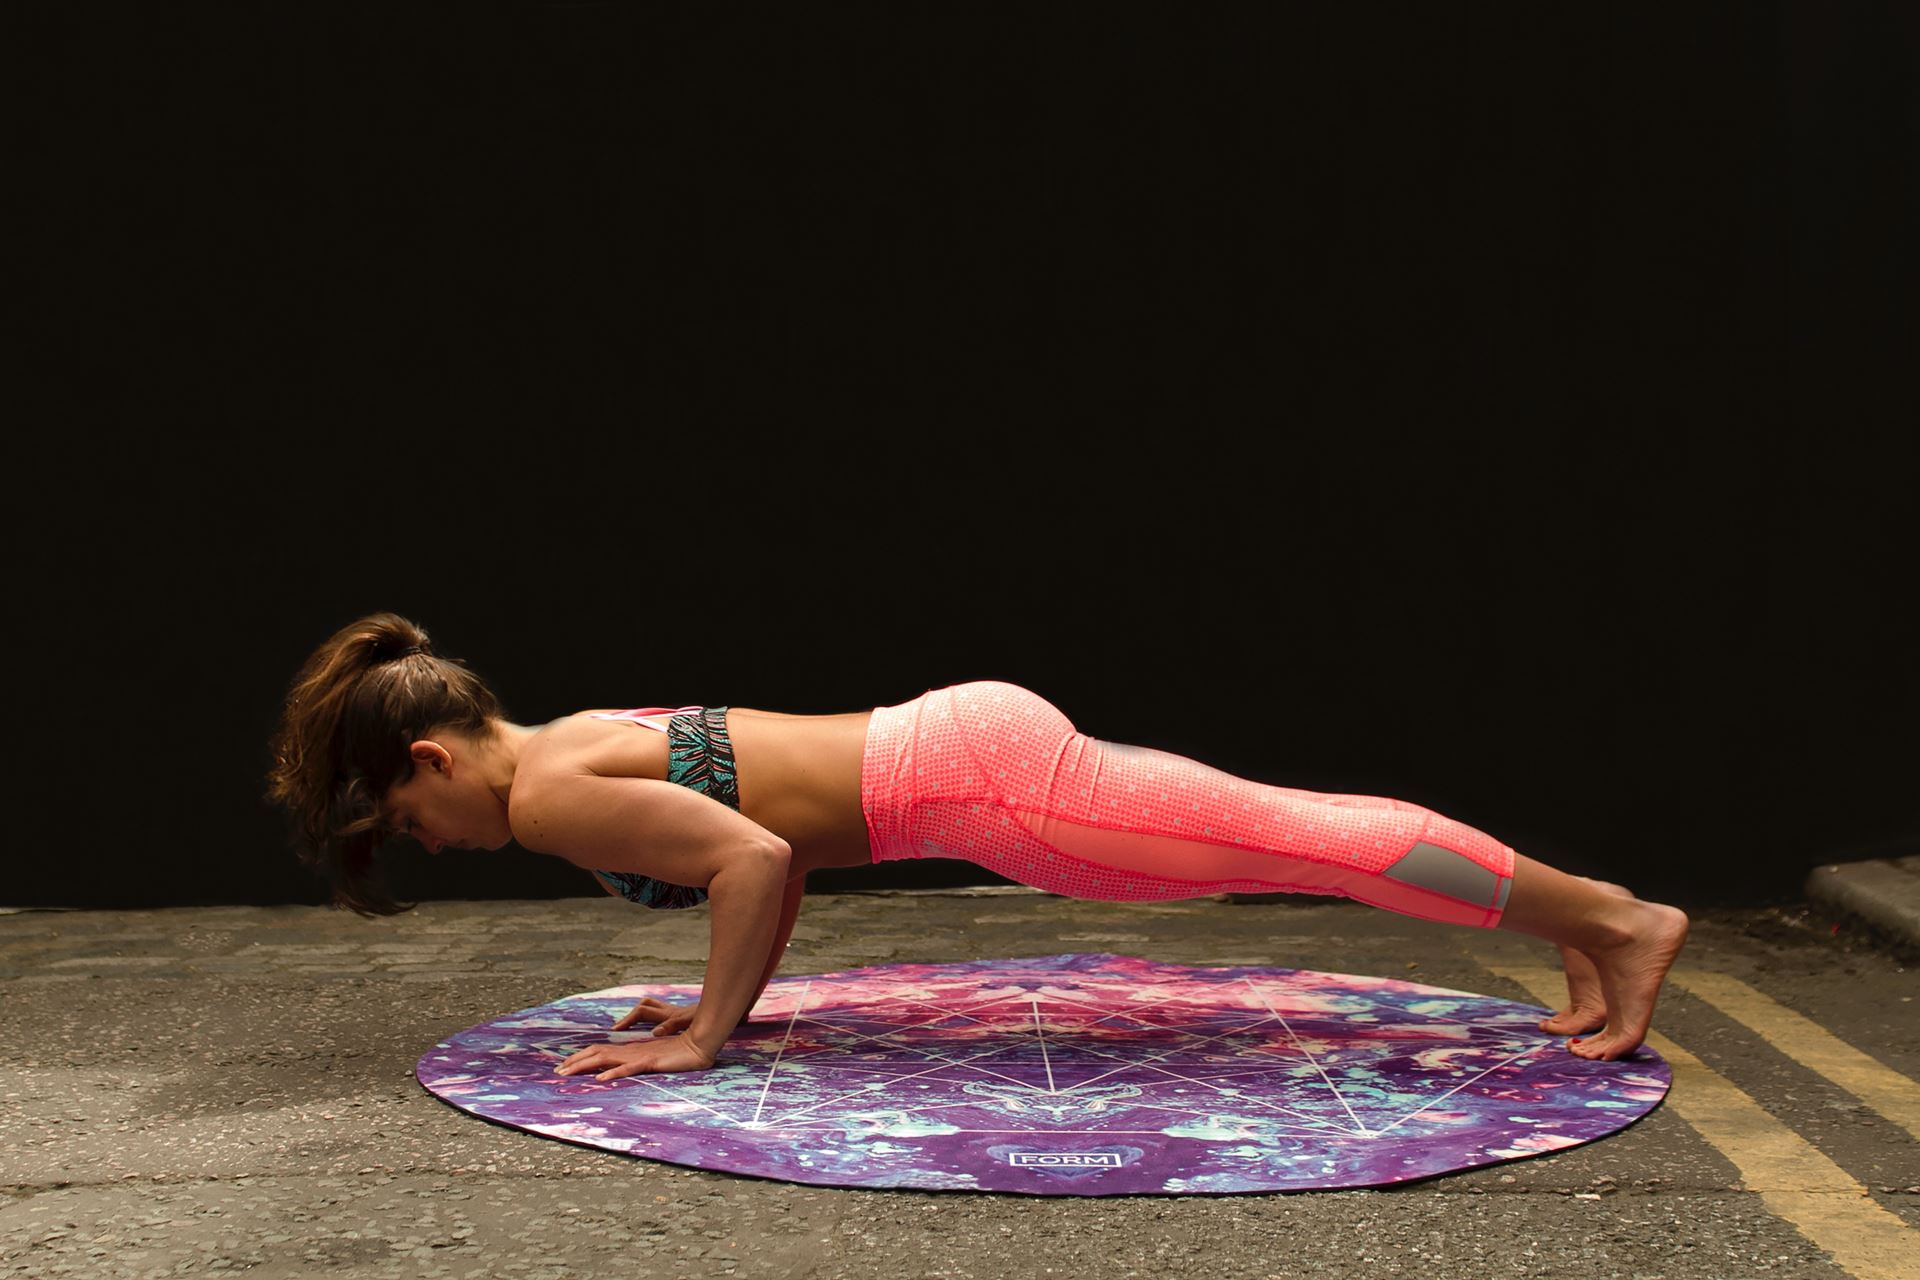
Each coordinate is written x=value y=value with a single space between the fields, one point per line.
x=577 y=742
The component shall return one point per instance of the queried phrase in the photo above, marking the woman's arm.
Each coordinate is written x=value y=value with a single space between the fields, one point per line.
x=646 y=826
x=789 y=912
x=676 y=1018
x=745 y=896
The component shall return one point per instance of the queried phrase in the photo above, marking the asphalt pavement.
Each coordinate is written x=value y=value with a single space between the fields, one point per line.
x=219 y=1089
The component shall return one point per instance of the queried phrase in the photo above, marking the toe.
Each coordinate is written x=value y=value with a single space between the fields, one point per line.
x=1576 y=1019
x=1606 y=1047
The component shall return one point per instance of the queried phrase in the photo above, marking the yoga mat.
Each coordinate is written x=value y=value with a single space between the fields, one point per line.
x=1076 y=1074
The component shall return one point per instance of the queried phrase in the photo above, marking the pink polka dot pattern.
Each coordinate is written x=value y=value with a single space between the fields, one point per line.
x=991 y=773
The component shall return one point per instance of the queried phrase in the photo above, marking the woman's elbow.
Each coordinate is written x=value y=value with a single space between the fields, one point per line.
x=760 y=862
x=768 y=849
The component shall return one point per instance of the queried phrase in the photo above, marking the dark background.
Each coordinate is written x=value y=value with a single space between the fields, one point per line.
x=1498 y=409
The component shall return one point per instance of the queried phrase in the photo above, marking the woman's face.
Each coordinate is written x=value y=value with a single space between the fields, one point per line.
x=447 y=803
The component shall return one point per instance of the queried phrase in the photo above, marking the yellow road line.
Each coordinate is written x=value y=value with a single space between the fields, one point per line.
x=1794 y=1178
x=1810 y=1044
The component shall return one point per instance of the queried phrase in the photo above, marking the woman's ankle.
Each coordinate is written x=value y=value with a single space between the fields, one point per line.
x=1613 y=923
x=1571 y=911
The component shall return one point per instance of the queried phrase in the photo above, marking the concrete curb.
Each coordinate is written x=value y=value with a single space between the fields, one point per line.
x=1885 y=892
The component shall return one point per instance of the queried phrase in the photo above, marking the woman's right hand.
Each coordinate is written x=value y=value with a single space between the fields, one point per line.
x=669 y=1019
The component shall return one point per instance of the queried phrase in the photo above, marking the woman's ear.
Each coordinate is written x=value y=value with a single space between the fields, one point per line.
x=429 y=753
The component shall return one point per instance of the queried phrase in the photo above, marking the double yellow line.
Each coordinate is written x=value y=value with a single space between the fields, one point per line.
x=1793 y=1177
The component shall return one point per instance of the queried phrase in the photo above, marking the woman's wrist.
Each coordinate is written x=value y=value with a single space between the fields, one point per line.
x=706 y=1033
x=703 y=1046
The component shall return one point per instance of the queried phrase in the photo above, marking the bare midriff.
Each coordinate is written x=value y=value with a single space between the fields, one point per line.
x=798 y=776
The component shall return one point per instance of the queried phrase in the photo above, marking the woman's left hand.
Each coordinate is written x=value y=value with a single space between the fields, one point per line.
x=612 y=1061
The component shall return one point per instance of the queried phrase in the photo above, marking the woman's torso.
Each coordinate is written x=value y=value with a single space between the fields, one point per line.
x=798 y=776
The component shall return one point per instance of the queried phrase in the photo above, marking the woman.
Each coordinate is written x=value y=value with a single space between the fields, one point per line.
x=734 y=806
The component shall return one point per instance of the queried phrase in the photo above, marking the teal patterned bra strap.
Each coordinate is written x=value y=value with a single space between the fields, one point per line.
x=700 y=756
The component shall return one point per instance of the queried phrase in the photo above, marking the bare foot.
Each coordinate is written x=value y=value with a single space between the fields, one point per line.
x=1631 y=972
x=1586 y=1007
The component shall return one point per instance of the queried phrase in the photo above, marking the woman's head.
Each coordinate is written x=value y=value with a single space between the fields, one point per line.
x=374 y=709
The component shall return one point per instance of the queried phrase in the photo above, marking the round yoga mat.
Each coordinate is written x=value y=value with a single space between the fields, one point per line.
x=1076 y=1074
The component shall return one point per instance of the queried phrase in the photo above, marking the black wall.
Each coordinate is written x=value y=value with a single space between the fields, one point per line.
x=1500 y=410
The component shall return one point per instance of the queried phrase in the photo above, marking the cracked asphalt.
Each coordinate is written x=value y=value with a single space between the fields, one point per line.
x=231 y=1089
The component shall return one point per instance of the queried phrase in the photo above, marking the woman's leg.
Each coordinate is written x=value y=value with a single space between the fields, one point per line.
x=1049 y=806
x=1630 y=943
x=1119 y=822
x=995 y=774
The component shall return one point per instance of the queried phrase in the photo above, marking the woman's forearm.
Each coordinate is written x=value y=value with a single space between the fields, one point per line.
x=789 y=912
x=745 y=899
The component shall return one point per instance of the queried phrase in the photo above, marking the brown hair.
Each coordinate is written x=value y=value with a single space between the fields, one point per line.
x=356 y=706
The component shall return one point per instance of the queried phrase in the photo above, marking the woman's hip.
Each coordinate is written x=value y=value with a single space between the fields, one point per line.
x=981 y=741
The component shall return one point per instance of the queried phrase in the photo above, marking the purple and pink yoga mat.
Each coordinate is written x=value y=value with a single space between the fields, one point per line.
x=1077 y=1074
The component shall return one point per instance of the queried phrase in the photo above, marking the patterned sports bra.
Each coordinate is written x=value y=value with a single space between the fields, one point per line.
x=699 y=755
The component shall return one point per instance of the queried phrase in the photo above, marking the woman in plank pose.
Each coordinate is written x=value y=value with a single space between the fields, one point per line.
x=381 y=736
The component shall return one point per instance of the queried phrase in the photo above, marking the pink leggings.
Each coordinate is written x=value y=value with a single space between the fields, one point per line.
x=994 y=774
